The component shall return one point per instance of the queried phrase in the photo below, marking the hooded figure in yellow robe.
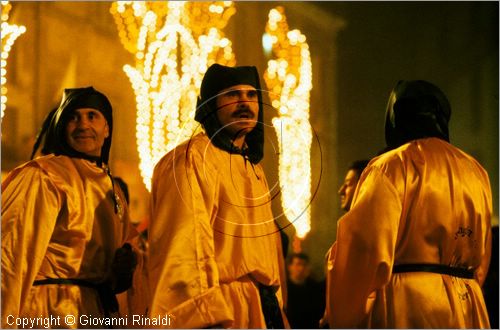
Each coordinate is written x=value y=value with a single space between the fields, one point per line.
x=64 y=223
x=414 y=249
x=215 y=250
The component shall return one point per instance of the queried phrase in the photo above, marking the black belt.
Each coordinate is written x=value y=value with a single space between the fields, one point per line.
x=106 y=295
x=69 y=281
x=434 y=268
x=270 y=307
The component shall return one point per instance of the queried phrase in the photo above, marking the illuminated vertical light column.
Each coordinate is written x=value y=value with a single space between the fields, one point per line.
x=173 y=43
x=9 y=33
x=289 y=80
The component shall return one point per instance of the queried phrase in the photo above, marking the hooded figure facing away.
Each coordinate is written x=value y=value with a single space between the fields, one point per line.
x=215 y=251
x=64 y=223
x=414 y=249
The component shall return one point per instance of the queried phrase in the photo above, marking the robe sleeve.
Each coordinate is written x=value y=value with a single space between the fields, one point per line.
x=30 y=206
x=482 y=271
x=183 y=273
x=366 y=239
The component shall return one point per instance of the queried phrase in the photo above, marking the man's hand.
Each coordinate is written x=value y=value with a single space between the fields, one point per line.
x=122 y=268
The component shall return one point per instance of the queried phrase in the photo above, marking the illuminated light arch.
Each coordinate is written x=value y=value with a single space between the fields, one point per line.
x=10 y=32
x=289 y=81
x=173 y=43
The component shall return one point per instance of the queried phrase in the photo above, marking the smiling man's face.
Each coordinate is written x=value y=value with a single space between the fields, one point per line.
x=238 y=109
x=86 y=131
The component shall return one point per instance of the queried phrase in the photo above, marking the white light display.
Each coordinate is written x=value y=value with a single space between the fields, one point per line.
x=173 y=43
x=289 y=80
x=10 y=32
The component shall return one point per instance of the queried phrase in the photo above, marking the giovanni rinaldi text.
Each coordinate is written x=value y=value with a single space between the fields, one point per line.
x=88 y=320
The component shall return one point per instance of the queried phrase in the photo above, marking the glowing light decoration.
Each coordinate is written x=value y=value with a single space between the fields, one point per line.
x=10 y=32
x=173 y=43
x=289 y=80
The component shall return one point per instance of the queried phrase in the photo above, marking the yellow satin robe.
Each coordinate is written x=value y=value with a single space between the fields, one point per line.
x=58 y=221
x=212 y=238
x=425 y=202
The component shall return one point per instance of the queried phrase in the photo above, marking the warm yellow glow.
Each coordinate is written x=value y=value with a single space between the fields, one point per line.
x=289 y=80
x=9 y=33
x=173 y=43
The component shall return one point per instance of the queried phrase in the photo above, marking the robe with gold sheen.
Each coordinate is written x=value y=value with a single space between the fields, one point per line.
x=58 y=221
x=424 y=202
x=212 y=238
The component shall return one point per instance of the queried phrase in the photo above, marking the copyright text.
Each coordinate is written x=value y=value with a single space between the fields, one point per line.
x=87 y=320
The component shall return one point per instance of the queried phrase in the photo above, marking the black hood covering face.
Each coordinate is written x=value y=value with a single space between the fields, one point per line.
x=416 y=109
x=216 y=79
x=55 y=123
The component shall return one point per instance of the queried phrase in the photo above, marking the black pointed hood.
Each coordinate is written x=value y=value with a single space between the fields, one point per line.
x=216 y=79
x=416 y=109
x=55 y=123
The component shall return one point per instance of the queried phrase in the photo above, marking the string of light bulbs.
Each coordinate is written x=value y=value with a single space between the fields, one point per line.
x=173 y=43
x=289 y=80
x=10 y=32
